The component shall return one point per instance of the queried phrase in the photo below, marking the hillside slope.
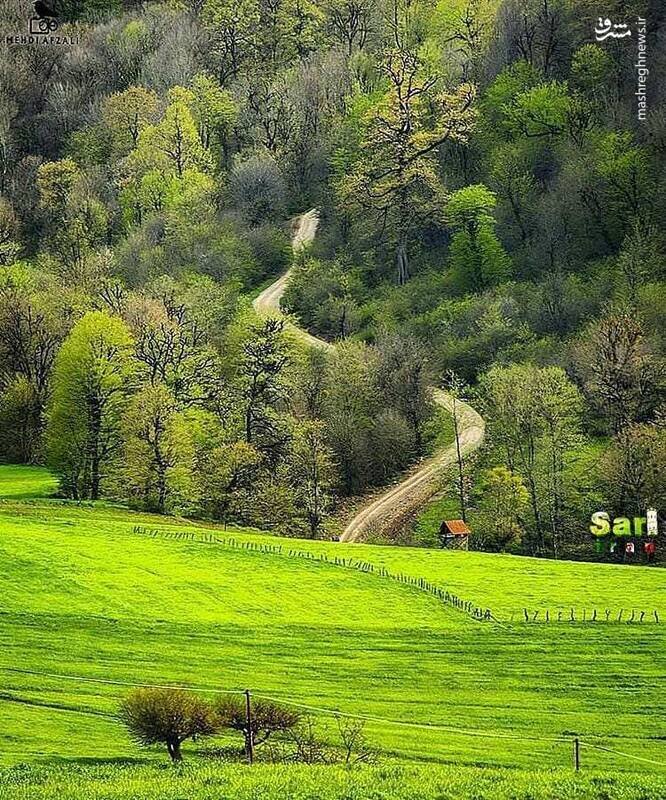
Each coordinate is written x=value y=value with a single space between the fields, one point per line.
x=91 y=604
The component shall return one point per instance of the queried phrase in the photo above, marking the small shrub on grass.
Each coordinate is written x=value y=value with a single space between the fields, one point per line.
x=167 y=716
x=267 y=718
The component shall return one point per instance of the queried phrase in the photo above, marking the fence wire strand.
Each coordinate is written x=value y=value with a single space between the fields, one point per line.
x=619 y=753
x=335 y=712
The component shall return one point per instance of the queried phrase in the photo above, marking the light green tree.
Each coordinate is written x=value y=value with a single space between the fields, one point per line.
x=76 y=220
x=534 y=420
x=231 y=469
x=350 y=402
x=214 y=111
x=170 y=164
x=541 y=111
x=503 y=505
x=9 y=233
x=35 y=316
x=641 y=258
x=617 y=185
x=91 y=378
x=233 y=27
x=159 y=453
x=392 y=181
x=303 y=22
x=311 y=472
x=476 y=256
x=173 y=146
x=128 y=113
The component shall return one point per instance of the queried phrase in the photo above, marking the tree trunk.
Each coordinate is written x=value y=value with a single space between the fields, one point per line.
x=461 y=465
x=531 y=485
x=173 y=747
x=160 y=469
x=402 y=261
x=94 y=446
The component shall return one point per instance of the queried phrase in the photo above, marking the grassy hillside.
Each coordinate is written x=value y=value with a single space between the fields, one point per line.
x=23 y=483
x=89 y=606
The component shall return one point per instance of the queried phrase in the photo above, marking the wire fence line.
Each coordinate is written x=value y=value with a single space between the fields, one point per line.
x=620 y=753
x=606 y=615
x=510 y=734
x=468 y=607
x=472 y=609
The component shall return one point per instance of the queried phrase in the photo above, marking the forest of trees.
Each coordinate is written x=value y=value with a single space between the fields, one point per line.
x=491 y=207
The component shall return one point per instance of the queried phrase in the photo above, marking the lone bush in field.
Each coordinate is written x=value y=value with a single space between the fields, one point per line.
x=166 y=716
x=267 y=718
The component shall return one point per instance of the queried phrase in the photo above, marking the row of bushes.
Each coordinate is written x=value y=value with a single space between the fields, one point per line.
x=170 y=716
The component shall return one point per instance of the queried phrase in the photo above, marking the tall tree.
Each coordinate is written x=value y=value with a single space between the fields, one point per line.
x=172 y=349
x=91 y=379
x=456 y=388
x=403 y=378
x=476 y=257
x=312 y=473
x=127 y=114
x=214 y=111
x=76 y=221
x=641 y=259
x=350 y=22
x=503 y=505
x=33 y=323
x=622 y=375
x=158 y=454
x=633 y=469
x=173 y=146
x=560 y=405
x=264 y=388
x=232 y=25
x=231 y=470
x=393 y=176
x=350 y=401
x=534 y=421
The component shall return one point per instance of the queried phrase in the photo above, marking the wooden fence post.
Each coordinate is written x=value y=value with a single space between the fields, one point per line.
x=249 y=744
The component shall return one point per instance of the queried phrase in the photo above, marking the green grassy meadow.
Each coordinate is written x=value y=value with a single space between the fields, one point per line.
x=89 y=607
x=211 y=781
x=24 y=483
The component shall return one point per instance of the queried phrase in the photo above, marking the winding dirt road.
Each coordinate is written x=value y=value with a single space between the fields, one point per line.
x=416 y=489
x=268 y=302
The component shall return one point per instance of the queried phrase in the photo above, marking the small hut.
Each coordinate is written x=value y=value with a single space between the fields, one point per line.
x=454 y=534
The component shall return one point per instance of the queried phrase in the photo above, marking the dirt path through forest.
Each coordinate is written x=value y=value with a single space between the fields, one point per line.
x=414 y=490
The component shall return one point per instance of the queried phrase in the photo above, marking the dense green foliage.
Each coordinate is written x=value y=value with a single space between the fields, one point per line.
x=490 y=203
